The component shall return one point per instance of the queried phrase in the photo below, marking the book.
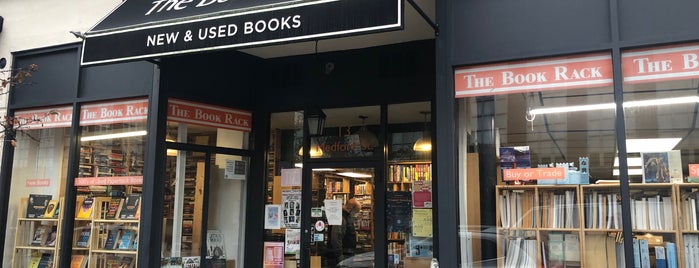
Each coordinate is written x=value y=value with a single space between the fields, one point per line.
x=51 y=209
x=660 y=259
x=36 y=207
x=78 y=261
x=645 y=253
x=34 y=261
x=126 y=239
x=671 y=254
x=85 y=208
x=83 y=238
x=112 y=236
x=126 y=262
x=131 y=207
x=40 y=234
x=214 y=241
x=113 y=208
x=46 y=260
x=51 y=237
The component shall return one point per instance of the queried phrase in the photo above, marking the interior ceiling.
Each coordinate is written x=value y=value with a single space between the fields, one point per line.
x=415 y=28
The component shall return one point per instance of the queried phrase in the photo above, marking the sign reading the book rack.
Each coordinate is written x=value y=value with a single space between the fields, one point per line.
x=114 y=112
x=208 y=115
x=592 y=70
x=50 y=117
x=676 y=62
x=149 y=29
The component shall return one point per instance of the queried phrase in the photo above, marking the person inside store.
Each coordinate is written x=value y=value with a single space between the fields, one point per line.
x=343 y=238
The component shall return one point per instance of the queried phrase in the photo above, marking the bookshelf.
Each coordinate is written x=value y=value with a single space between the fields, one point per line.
x=36 y=238
x=108 y=235
x=580 y=225
x=364 y=223
x=98 y=160
x=401 y=174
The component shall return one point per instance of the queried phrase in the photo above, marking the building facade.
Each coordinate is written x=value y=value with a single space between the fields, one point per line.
x=175 y=132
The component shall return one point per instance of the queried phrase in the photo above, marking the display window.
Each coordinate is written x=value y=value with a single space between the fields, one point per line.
x=537 y=149
x=41 y=141
x=661 y=101
x=205 y=192
x=109 y=183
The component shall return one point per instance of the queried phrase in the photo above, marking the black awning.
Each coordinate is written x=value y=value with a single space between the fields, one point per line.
x=139 y=29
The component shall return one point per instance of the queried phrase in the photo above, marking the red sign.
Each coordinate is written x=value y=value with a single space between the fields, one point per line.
x=208 y=115
x=694 y=170
x=677 y=62
x=593 y=70
x=422 y=194
x=114 y=112
x=526 y=174
x=38 y=182
x=50 y=117
x=125 y=180
x=274 y=255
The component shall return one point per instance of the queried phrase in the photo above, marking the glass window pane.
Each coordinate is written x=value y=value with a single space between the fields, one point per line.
x=661 y=100
x=206 y=124
x=348 y=133
x=409 y=185
x=530 y=132
x=226 y=212
x=109 y=182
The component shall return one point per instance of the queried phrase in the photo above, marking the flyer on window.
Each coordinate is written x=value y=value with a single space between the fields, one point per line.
x=274 y=255
x=272 y=217
x=292 y=241
x=291 y=208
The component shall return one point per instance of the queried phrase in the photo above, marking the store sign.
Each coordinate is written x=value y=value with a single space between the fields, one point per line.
x=527 y=174
x=667 y=63
x=208 y=115
x=124 y=180
x=148 y=29
x=50 y=117
x=594 y=70
x=114 y=112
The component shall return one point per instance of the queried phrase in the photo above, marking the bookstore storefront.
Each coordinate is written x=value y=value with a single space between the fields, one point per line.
x=583 y=150
x=159 y=163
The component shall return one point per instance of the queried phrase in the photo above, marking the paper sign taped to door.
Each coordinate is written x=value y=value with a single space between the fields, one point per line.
x=333 y=210
x=291 y=177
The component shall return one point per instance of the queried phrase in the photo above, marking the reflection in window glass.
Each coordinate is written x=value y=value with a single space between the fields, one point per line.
x=531 y=132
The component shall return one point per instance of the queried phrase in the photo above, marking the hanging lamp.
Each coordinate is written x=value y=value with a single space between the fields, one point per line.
x=424 y=144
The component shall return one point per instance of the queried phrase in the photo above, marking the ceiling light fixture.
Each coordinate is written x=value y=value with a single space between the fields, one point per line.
x=610 y=106
x=355 y=175
x=115 y=135
x=367 y=139
x=315 y=151
x=424 y=144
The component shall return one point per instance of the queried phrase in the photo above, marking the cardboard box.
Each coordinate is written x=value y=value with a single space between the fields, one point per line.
x=414 y=262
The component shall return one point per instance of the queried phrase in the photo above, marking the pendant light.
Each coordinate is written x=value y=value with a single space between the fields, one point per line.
x=424 y=144
x=367 y=139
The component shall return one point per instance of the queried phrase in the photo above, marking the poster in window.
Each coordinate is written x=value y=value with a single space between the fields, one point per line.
x=274 y=255
x=272 y=217
x=214 y=242
x=422 y=194
x=292 y=243
x=291 y=208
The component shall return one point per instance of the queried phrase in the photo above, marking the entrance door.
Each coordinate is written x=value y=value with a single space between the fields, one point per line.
x=342 y=216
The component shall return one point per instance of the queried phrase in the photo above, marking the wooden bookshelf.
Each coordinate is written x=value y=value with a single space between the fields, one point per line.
x=25 y=246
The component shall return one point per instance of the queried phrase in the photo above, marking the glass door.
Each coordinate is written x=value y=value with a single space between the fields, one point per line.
x=342 y=215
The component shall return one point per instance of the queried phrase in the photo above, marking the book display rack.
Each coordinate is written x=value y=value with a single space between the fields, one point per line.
x=38 y=227
x=580 y=225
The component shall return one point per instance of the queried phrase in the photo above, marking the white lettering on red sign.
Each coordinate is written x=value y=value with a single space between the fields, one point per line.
x=208 y=115
x=38 y=183
x=677 y=62
x=537 y=75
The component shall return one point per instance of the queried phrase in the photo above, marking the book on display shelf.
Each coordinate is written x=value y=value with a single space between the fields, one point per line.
x=51 y=209
x=85 y=208
x=36 y=208
x=131 y=207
